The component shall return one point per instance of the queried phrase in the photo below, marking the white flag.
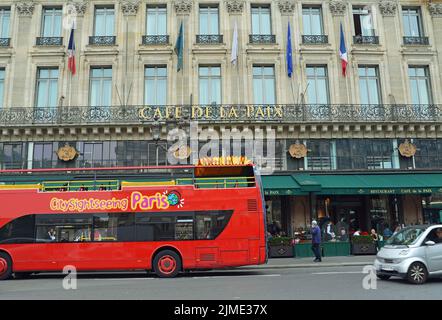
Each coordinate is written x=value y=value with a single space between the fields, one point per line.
x=234 y=56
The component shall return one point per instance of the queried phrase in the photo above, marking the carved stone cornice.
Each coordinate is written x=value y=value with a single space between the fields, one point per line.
x=435 y=10
x=287 y=7
x=388 y=7
x=337 y=7
x=183 y=6
x=79 y=6
x=25 y=8
x=129 y=7
x=235 y=6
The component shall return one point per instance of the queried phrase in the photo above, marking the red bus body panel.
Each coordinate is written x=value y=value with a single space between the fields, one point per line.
x=242 y=242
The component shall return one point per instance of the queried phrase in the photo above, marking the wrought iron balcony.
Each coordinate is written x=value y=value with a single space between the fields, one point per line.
x=315 y=39
x=209 y=39
x=416 y=41
x=102 y=40
x=155 y=40
x=49 y=41
x=298 y=113
x=262 y=38
x=365 y=39
x=4 y=42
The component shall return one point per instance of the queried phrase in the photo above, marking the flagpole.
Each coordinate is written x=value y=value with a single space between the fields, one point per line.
x=182 y=67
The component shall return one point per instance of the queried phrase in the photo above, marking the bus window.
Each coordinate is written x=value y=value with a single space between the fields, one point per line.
x=184 y=228
x=210 y=224
x=63 y=228
x=114 y=227
x=20 y=230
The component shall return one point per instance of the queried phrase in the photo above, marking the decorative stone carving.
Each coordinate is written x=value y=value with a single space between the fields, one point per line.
x=337 y=7
x=183 y=6
x=235 y=6
x=287 y=7
x=435 y=9
x=388 y=7
x=25 y=8
x=80 y=7
x=129 y=7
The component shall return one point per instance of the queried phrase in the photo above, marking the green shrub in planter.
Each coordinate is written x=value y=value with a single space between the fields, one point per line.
x=280 y=241
x=363 y=245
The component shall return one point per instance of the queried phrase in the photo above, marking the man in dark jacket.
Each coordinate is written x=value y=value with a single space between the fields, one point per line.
x=316 y=241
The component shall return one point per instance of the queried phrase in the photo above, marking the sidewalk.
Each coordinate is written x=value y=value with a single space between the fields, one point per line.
x=280 y=263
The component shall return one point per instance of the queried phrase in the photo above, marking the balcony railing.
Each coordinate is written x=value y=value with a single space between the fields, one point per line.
x=102 y=40
x=365 y=39
x=416 y=41
x=262 y=38
x=155 y=40
x=4 y=42
x=49 y=41
x=314 y=39
x=222 y=114
x=209 y=39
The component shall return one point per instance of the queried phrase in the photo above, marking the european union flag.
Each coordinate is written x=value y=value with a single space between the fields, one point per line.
x=179 y=48
x=289 y=53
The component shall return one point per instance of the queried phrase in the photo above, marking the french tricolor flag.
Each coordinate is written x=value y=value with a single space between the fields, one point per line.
x=71 y=51
x=343 y=53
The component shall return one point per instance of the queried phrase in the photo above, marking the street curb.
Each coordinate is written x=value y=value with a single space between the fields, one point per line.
x=309 y=265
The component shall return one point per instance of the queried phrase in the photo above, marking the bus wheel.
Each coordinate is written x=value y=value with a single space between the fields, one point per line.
x=167 y=264
x=5 y=266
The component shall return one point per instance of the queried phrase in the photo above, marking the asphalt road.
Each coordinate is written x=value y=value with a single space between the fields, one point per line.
x=291 y=283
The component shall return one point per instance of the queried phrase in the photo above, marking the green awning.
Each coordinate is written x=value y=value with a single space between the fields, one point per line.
x=366 y=184
x=280 y=185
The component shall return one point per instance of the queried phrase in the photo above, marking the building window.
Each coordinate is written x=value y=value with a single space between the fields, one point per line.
x=412 y=22
x=2 y=86
x=369 y=85
x=317 y=82
x=156 y=22
x=209 y=85
x=104 y=22
x=44 y=155
x=13 y=155
x=321 y=155
x=261 y=20
x=100 y=87
x=51 y=23
x=91 y=155
x=363 y=21
x=5 y=17
x=312 y=20
x=47 y=88
x=429 y=153
x=209 y=21
x=141 y=153
x=264 y=91
x=155 y=85
x=420 y=85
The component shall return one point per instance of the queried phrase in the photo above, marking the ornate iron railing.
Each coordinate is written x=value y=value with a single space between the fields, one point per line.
x=102 y=40
x=315 y=39
x=155 y=40
x=297 y=113
x=209 y=38
x=4 y=42
x=262 y=38
x=365 y=39
x=416 y=40
x=49 y=41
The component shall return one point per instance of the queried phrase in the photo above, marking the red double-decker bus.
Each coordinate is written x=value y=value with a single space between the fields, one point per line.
x=165 y=219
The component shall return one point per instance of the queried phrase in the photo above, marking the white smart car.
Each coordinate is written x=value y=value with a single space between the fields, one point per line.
x=414 y=253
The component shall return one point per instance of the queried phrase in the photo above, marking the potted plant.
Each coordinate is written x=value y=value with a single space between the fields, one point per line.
x=363 y=244
x=280 y=247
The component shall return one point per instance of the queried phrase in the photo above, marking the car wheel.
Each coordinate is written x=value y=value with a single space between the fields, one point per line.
x=383 y=277
x=5 y=266
x=167 y=264
x=417 y=273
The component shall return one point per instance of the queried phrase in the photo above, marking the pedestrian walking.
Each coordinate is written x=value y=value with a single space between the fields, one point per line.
x=316 y=241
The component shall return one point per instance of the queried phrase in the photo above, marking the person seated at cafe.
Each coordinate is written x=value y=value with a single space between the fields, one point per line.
x=343 y=236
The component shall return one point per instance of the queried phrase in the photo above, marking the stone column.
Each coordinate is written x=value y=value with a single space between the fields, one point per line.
x=436 y=17
x=338 y=9
x=391 y=29
x=287 y=9
x=25 y=10
x=235 y=9
x=183 y=8
x=73 y=94
x=129 y=43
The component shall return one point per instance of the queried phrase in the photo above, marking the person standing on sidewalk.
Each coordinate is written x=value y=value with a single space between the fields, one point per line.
x=316 y=241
